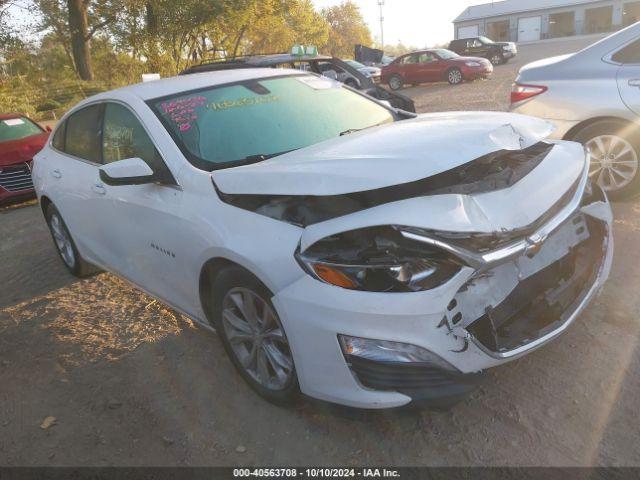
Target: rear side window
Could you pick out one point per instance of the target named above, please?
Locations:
(82, 137)
(58, 137)
(409, 59)
(629, 54)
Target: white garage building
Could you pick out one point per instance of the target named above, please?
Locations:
(531, 20)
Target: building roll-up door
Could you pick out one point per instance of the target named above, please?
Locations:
(529, 29)
(468, 32)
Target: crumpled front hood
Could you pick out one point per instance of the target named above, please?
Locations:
(388, 155)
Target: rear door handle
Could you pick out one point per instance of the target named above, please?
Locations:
(99, 189)
(634, 82)
(56, 173)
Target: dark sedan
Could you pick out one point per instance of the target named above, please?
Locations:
(434, 66)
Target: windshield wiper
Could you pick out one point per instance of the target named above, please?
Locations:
(259, 157)
(351, 130)
(354, 130)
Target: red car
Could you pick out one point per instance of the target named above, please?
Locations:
(20, 139)
(434, 66)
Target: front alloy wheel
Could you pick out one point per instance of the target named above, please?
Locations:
(613, 162)
(454, 76)
(257, 339)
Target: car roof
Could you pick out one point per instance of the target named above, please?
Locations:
(185, 83)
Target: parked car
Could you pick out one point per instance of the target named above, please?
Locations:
(357, 253)
(496, 52)
(319, 64)
(371, 71)
(20, 139)
(593, 97)
(434, 66)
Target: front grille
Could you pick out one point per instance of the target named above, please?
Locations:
(16, 178)
(542, 302)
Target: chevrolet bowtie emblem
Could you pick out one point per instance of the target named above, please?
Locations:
(534, 245)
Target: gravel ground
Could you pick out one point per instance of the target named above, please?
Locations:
(95, 373)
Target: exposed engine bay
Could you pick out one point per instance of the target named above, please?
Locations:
(495, 171)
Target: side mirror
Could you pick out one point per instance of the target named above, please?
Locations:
(130, 171)
(332, 74)
(48, 128)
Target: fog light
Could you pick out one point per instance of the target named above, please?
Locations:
(387, 351)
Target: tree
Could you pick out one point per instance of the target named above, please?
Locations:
(74, 23)
(347, 29)
(294, 23)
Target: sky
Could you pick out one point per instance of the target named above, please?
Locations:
(416, 23)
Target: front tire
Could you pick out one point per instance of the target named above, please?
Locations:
(253, 336)
(454, 76)
(396, 82)
(614, 157)
(65, 245)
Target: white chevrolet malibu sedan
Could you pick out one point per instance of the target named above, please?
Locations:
(341, 248)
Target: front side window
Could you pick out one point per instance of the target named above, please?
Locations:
(82, 137)
(17, 129)
(224, 126)
(124, 137)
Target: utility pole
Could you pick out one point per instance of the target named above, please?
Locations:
(381, 4)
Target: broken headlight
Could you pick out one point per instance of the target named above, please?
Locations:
(378, 259)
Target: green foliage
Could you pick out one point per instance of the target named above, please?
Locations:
(347, 29)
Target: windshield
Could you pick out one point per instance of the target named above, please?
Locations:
(446, 54)
(242, 123)
(486, 40)
(17, 128)
(355, 64)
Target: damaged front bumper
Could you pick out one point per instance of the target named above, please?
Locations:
(508, 303)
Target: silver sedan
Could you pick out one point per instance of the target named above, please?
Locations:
(592, 97)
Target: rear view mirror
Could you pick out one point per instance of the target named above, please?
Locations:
(131, 171)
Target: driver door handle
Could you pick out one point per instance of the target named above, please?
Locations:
(99, 189)
(634, 82)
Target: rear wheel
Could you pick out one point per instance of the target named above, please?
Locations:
(614, 154)
(454, 76)
(253, 336)
(396, 82)
(65, 245)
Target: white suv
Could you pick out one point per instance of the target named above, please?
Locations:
(356, 253)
